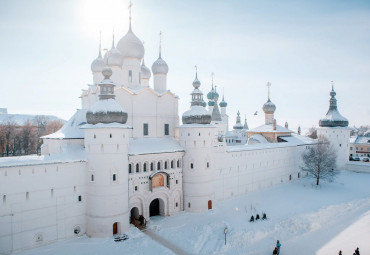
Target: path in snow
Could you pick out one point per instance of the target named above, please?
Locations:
(165, 243)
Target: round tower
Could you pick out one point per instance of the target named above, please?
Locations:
(106, 142)
(198, 137)
(335, 128)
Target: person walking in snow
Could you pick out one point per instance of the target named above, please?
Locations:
(278, 244)
(275, 251)
(340, 252)
(264, 217)
(252, 219)
(257, 216)
(357, 252)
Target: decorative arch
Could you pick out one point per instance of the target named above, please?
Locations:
(167, 184)
(164, 199)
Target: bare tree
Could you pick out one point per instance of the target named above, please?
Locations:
(312, 133)
(40, 122)
(53, 126)
(320, 161)
(28, 138)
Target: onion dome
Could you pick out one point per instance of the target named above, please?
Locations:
(106, 110)
(211, 103)
(115, 57)
(160, 66)
(238, 124)
(269, 107)
(333, 118)
(98, 64)
(131, 46)
(145, 71)
(204, 104)
(197, 113)
(223, 103)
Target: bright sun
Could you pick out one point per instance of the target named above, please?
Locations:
(102, 15)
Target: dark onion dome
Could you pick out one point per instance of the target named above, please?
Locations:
(269, 107)
(238, 124)
(211, 103)
(212, 94)
(333, 118)
(106, 110)
(197, 113)
(223, 103)
(204, 104)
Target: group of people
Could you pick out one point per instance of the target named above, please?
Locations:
(276, 251)
(357, 252)
(264, 217)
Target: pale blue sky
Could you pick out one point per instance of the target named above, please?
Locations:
(299, 46)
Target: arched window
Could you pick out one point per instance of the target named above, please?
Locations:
(4, 199)
(172, 165)
(152, 166)
(137, 167)
(110, 135)
(191, 165)
(129, 76)
(92, 177)
(178, 163)
(114, 177)
(129, 168)
(165, 165)
(144, 167)
(159, 166)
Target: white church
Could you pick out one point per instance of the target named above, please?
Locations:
(125, 153)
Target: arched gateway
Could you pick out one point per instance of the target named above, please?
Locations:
(157, 207)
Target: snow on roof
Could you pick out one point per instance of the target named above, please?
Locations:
(292, 141)
(153, 145)
(270, 128)
(106, 125)
(197, 125)
(298, 139)
(70, 153)
(230, 134)
(196, 110)
(107, 105)
(361, 140)
(71, 129)
(255, 139)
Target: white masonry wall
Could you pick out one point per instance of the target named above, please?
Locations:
(240, 172)
(339, 139)
(39, 204)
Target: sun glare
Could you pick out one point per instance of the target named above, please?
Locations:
(102, 15)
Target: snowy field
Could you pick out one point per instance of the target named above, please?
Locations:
(306, 220)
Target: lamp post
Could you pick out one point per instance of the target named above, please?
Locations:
(225, 231)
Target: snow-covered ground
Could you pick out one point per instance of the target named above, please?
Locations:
(306, 220)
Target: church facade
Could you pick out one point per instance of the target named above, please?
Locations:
(125, 154)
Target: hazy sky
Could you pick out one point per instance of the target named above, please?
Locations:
(299, 46)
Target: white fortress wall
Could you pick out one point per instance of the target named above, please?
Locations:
(240, 170)
(40, 204)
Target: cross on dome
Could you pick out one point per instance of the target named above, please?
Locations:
(268, 89)
(129, 10)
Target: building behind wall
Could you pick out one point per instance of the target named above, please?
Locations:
(125, 154)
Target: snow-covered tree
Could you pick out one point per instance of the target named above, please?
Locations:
(312, 133)
(320, 161)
